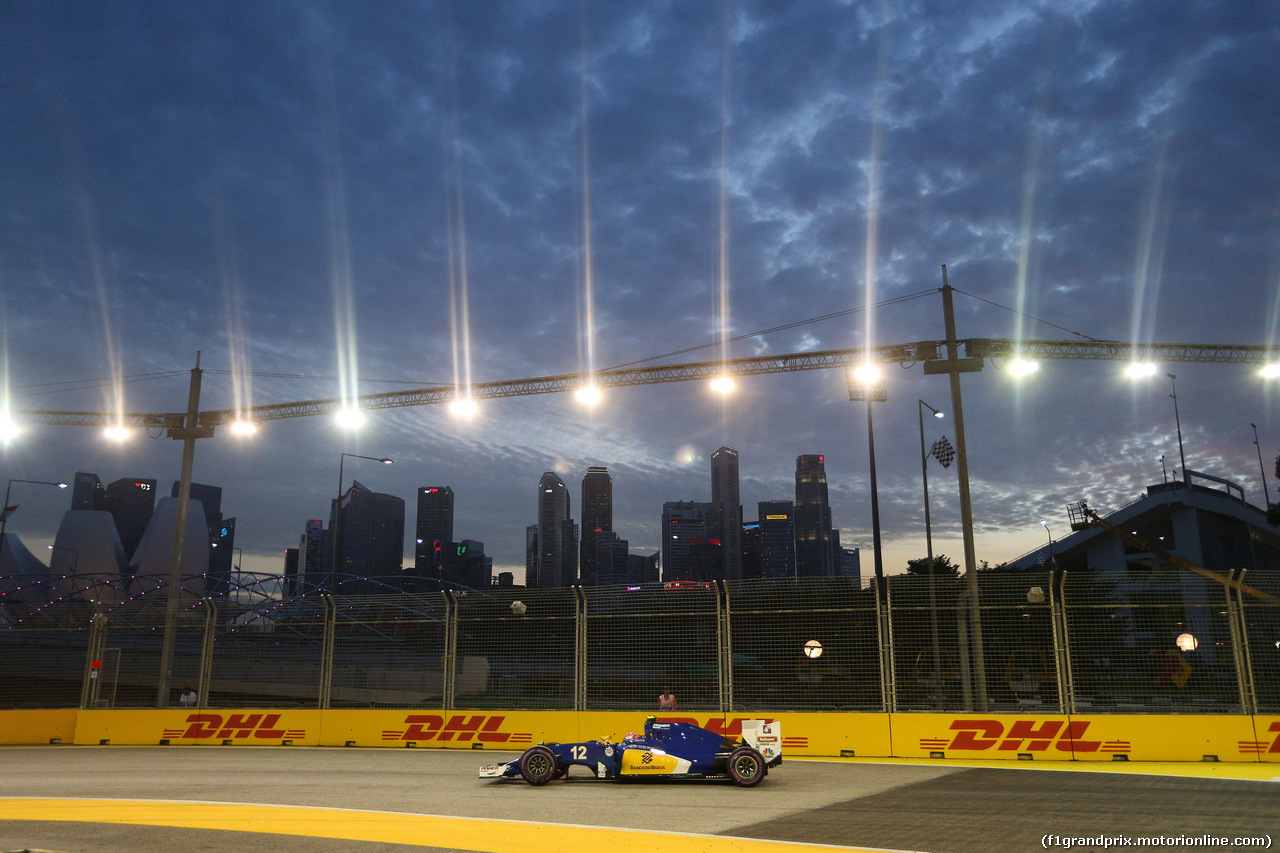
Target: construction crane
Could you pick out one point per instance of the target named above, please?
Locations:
(1083, 518)
(976, 352)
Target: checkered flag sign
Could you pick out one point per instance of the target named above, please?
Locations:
(943, 452)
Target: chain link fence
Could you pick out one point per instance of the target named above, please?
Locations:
(1154, 640)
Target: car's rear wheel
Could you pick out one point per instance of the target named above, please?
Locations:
(538, 765)
(746, 767)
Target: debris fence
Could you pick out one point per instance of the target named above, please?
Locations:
(1033, 642)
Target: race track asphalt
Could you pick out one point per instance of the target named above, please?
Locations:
(313, 800)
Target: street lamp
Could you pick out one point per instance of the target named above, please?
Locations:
(1044, 522)
(928, 541)
(865, 384)
(239, 561)
(8, 510)
(1266, 493)
(75, 556)
(336, 525)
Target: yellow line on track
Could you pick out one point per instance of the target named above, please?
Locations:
(485, 836)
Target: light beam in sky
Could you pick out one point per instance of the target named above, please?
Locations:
(1148, 264)
(456, 234)
(724, 384)
(871, 239)
(588, 275)
(238, 343)
(344, 303)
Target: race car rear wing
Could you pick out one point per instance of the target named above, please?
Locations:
(764, 737)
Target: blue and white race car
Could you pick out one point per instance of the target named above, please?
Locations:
(665, 749)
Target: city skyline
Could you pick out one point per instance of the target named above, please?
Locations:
(333, 200)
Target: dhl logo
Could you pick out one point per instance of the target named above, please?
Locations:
(240, 726)
(1022, 736)
(1258, 747)
(482, 728)
(732, 727)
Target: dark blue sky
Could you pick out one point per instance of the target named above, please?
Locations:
(295, 189)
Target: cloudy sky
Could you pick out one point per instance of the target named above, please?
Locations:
(337, 198)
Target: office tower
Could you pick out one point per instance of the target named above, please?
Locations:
(464, 564)
(597, 516)
(642, 568)
(691, 546)
(87, 492)
(557, 545)
(313, 553)
(434, 527)
(369, 540)
(131, 503)
(531, 552)
(751, 566)
(724, 491)
(569, 556)
(222, 536)
(610, 560)
(814, 555)
(851, 565)
(292, 559)
(777, 539)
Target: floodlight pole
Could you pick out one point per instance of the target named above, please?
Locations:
(188, 433)
(953, 366)
(1266, 493)
(1178, 422)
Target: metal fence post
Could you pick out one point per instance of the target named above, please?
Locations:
(93, 654)
(888, 655)
(450, 662)
(206, 652)
(580, 650)
(883, 629)
(1061, 649)
(326, 650)
(1240, 654)
(724, 639)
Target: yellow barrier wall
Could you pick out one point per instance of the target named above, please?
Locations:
(248, 727)
(973, 736)
(27, 727)
(1079, 738)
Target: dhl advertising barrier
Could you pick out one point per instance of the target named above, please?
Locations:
(1086, 738)
(947, 736)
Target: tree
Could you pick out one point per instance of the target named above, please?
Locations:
(942, 567)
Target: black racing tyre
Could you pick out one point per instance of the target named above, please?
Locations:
(538, 765)
(746, 767)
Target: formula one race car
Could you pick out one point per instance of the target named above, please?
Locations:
(665, 749)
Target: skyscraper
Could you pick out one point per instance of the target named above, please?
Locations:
(131, 502)
(434, 531)
(815, 556)
(691, 545)
(369, 540)
(611, 564)
(777, 539)
(724, 491)
(87, 491)
(313, 556)
(557, 556)
(597, 517)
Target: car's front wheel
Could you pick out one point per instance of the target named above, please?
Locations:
(538, 765)
(746, 767)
